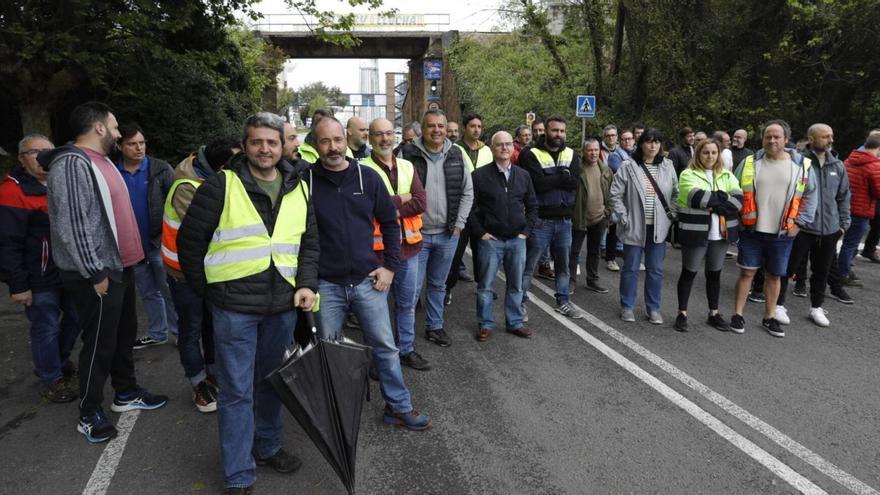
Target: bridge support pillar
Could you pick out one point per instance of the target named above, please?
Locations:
(417, 98)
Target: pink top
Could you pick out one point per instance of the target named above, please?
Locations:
(127, 235)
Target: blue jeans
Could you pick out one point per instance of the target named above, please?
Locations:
(555, 234)
(435, 259)
(405, 289)
(191, 314)
(54, 328)
(248, 348)
(512, 253)
(653, 252)
(149, 277)
(850, 245)
(370, 306)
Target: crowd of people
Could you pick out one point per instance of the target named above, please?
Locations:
(228, 246)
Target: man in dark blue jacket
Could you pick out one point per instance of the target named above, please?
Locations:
(26, 266)
(505, 209)
(347, 197)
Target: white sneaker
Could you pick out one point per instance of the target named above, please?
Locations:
(641, 267)
(781, 315)
(818, 317)
(613, 266)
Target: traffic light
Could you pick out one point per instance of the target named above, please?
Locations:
(433, 88)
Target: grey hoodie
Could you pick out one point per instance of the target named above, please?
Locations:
(435, 216)
(83, 237)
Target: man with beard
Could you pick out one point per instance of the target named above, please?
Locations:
(96, 244)
(522, 138)
(554, 169)
(452, 132)
(291, 143)
(738, 149)
(249, 246)
(409, 198)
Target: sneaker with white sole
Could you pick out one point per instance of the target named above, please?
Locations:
(569, 310)
(139, 399)
(773, 328)
(612, 266)
(781, 315)
(627, 315)
(818, 315)
(144, 342)
(204, 397)
(96, 427)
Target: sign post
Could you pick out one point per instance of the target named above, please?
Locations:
(530, 118)
(585, 109)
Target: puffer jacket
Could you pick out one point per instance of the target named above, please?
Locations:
(161, 176)
(863, 169)
(263, 293)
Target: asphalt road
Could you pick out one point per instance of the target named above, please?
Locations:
(585, 406)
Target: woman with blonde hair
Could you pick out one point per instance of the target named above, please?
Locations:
(709, 200)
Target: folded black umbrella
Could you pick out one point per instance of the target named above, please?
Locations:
(323, 386)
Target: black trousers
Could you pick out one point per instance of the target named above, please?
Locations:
(611, 243)
(593, 235)
(821, 249)
(109, 329)
(456, 266)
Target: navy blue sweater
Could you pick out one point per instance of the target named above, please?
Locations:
(345, 204)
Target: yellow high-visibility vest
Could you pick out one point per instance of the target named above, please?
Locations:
(241, 245)
(749, 210)
(484, 157)
(411, 227)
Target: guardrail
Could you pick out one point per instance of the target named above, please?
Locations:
(286, 23)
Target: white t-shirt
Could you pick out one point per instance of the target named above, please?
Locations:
(714, 225)
(727, 159)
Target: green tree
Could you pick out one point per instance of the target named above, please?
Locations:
(312, 96)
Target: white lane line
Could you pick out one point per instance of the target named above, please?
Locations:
(109, 461)
(827, 468)
(776, 466)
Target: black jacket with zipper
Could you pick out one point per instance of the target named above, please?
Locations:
(263, 293)
(504, 208)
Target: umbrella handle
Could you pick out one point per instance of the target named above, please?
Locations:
(310, 322)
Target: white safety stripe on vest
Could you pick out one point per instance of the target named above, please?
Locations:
(236, 256)
(239, 232)
(287, 271)
(171, 223)
(693, 211)
(169, 254)
(285, 248)
(693, 226)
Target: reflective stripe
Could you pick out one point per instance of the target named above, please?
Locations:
(232, 234)
(171, 223)
(169, 254)
(285, 248)
(236, 256)
(693, 211)
(288, 272)
(732, 223)
(693, 226)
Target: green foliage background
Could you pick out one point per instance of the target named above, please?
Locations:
(710, 64)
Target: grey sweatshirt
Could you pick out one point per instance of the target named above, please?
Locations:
(434, 217)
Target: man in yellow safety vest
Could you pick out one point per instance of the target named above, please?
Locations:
(249, 245)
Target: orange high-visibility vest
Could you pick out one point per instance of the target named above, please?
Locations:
(749, 210)
(410, 227)
(171, 224)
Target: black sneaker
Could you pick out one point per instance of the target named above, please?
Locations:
(352, 322)
(281, 462)
(757, 297)
(737, 324)
(595, 287)
(145, 342)
(415, 361)
(96, 427)
(842, 296)
(773, 327)
(139, 399)
(800, 288)
(438, 337)
(464, 276)
(718, 322)
(873, 257)
(851, 280)
(681, 323)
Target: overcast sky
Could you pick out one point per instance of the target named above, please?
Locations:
(464, 15)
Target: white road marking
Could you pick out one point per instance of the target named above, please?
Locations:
(109, 460)
(825, 467)
(776, 466)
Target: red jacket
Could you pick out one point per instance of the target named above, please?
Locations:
(863, 169)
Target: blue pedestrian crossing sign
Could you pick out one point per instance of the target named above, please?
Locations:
(586, 106)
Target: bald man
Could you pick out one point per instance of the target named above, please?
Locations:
(504, 212)
(357, 132)
(818, 239)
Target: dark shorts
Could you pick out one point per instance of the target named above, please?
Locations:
(757, 249)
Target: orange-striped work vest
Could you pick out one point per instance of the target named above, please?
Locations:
(749, 211)
(410, 227)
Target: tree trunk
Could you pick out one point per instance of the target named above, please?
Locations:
(618, 38)
(35, 118)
